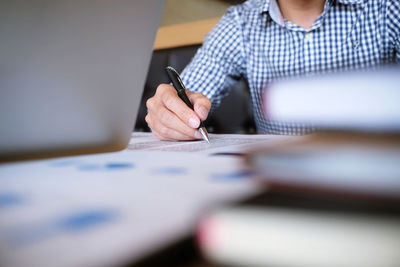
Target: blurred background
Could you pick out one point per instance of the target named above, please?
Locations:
(178, 11)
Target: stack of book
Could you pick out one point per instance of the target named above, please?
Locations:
(333, 197)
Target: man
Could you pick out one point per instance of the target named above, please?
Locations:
(267, 40)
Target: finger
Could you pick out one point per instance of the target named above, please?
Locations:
(172, 102)
(201, 103)
(168, 134)
(170, 120)
(161, 120)
(163, 132)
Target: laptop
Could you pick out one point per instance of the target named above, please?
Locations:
(72, 74)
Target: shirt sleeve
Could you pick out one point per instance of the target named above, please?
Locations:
(393, 15)
(219, 62)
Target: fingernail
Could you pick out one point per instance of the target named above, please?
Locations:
(197, 135)
(203, 112)
(194, 122)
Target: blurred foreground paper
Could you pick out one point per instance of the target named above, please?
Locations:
(109, 209)
(272, 236)
(343, 164)
(363, 100)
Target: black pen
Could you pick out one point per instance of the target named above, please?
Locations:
(180, 88)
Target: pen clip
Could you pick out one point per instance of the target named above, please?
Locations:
(180, 81)
(176, 75)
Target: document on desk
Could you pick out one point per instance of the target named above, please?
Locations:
(219, 143)
(113, 208)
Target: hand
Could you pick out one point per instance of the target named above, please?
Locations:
(171, 119)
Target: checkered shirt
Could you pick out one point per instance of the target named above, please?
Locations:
(254, 41)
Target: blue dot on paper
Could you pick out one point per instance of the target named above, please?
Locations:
(232, 175)
(118, 166)
(105, 166)
(85, 220)
(10, 199)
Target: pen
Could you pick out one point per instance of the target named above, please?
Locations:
(180, 88)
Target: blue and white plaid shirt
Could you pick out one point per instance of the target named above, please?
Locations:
(254, 41)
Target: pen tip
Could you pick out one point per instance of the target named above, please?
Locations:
(203, 132)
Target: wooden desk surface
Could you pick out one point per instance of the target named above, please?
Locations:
(184, 34)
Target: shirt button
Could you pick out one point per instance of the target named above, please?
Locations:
(308, 36)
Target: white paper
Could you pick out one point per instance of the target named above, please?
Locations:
(219, 143)
(112, 208)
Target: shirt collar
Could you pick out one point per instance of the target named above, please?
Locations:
(266, 5)
(272, 7)
(350, 2)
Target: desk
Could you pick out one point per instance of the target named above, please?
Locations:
(117, 208)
